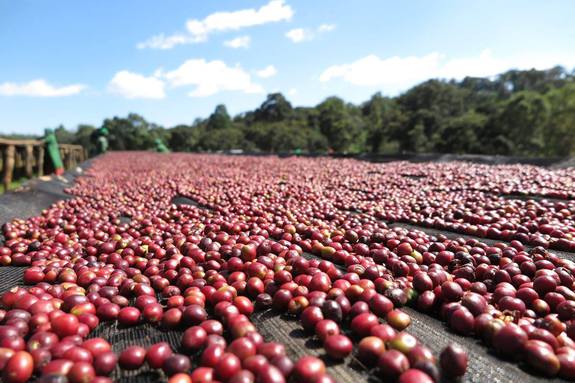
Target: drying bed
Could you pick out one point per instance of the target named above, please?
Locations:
(213, 268)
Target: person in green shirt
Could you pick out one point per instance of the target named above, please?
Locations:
(53, 151)
(102, 140)
(160, 147)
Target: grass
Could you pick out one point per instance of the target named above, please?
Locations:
(13, 184)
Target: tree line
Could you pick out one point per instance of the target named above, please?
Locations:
(522, 113)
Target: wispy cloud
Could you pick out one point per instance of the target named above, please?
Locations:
(198, 30)
(326, 28)
(162, 41)
(298, 35)
(39, 88)
(238, 42)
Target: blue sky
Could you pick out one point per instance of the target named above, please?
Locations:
(74, 62)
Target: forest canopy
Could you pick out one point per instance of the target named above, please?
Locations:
(523, 113)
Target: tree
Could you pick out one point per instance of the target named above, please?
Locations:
(559, 134)
(220, 119)
(427, 108)
(316, 142)
(274, 108)
(260, 135)
(341, 128)
(383, 118)
(63, 135)
(522, 120)
(184, 138)
(83, 136)
(523, 113)
(460, 134)
(222, 139)
(539, 81)
(282, 137)
(130, 133)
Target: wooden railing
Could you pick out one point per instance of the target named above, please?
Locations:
(28, 156)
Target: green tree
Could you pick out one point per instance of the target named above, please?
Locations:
(522, 121)
(460, 134)
(223, 139)
(540, 81)
(341, 128)
(83, 136)
(383, 118)
(559, 134)
(184, 138)
(220, 119)
(259, 134)
(130, 133)
(427, 108)
(529, 112)
(274, 108)
(63, 135)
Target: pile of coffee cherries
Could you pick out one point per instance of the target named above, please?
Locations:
(479, 200)
(303, 238)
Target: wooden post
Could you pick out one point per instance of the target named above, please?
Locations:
(40, 160)
(29, 155)
(8, 165)
(74, 156)
(69, 162)
(2, 159)
(63, 156)
(29, 161)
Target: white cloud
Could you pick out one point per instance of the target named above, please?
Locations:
(39, 88)
(326, 28)
(299, 35)
(211, 77)
(396, 73)
(292, 92)
(274, 11)
(238, 42)
(267, 72)
(198, 30)
(133, 85)
(162, 41)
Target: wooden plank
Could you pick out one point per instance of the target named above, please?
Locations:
(70, 146)
(4, 141)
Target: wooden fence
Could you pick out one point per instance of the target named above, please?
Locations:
(28, 157)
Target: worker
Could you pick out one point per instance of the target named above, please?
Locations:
(102, 140)
(160, 147)
(53, 151)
